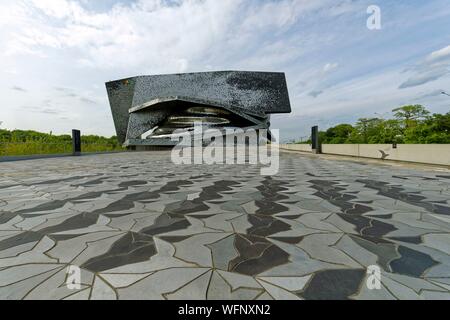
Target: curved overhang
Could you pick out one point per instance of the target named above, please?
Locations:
(159, 102)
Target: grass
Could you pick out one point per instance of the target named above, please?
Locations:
(42, 148)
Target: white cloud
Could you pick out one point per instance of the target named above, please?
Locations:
(149, 33)
(423, 77)
(443, 53)
(435, 66)
(330, 67)
(57, 8)
(316, 80)
(155, 34)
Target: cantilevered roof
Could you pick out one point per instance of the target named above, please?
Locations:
(254, 93)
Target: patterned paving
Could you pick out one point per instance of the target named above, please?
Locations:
(142, 228)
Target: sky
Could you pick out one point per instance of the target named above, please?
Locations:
(56, 55)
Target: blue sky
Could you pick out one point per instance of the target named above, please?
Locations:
(55, 55)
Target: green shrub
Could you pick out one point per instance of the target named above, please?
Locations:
(20, 142)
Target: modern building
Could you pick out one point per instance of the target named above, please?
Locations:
(150, 111)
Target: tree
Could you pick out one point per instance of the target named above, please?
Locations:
(412, 124)
(441, 122)
(338, 134)
(391, 131)
(435, 129)
(367, 127)
(411, 114)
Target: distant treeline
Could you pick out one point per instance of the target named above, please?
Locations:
(28, 142)
(412, 124)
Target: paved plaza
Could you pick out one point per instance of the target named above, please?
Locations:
(140, 227)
